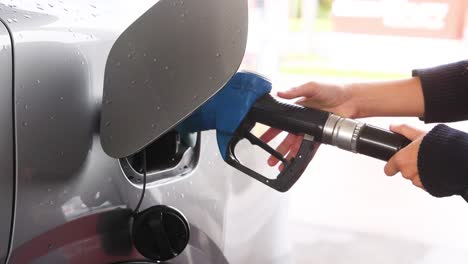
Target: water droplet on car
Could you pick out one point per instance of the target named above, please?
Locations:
(51, 5)
(97, 195)
(38, 81)
(15, 20)
(168, 194)
(131, 55)
(50, 246)
(9, 20)
(218, 54)
(182, 195)
(52, 117)
(118, 64)
(108, 101)
(27, 16)
(153, 126)
(108, 123)
(61, 98)
(93, 6)
(155, 60)
(133, 81)
(26, 107)
(25, 124)
(166, 68)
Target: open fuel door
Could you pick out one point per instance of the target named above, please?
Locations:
(167, 64)
(7, 141)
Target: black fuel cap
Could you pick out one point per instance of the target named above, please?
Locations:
(160, 233)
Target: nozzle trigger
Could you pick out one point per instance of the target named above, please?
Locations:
(258, 142)
(289, 175)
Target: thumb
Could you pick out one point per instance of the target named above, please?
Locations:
(408, 131)
(306, 90)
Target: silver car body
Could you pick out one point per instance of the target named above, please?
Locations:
(64, 199)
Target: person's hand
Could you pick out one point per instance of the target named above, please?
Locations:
(328, 97)
(335, 98)
(406, 160)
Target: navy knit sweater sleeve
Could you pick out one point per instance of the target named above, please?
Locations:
(443, 154)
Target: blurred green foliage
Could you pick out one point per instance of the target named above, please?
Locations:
(324, 7)
(326, 3)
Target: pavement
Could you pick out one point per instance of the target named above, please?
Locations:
(314, 244)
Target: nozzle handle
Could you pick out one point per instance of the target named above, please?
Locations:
(291, 118)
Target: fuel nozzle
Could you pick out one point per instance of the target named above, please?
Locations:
(362, 138)
(246, 101)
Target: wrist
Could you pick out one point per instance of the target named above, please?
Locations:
(388, 98)
(357, 100)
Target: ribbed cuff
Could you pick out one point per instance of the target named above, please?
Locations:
(443, 162)
(445, 90)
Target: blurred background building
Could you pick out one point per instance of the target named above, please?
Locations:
(344, 209)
